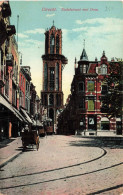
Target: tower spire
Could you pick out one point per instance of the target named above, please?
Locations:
(84, 44)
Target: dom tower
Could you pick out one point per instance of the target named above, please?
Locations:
(53, 64)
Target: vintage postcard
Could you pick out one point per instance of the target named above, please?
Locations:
(61, 90)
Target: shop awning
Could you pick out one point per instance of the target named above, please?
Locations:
(104, 119)
(26, 116)
(118, 119)
(20, 115)
(37, 123)
(16, 113)
(6, 104)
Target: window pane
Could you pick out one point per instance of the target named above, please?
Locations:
(91, 86)
(104, 89)
(90, 105)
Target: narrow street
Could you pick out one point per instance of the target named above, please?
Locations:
(64, 165)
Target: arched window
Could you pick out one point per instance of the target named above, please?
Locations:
(51, 114)
(57, 44)
(46, 43)
(45, 76)
(84, 68)
(57, 76)
(45, 99)
(52, 44)
(103, 69)
(52, 78)
(58, 100)
(51, 99)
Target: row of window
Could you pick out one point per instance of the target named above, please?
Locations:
(54, 78)
(92, 123)
(49, 100)
(91, 104)
(52, 44)
(101, 70)
(91, 87)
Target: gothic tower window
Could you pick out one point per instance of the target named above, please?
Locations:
(58, 99)
(51, 114)
(51, 99)
(57, 44)
(52, 44)
(45, 99)
(57, 76)
(52, 73)
(45, 76)
(46, 43)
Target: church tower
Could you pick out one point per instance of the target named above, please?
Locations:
(53, 64)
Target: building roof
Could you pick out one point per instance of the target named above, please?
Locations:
(84, 56)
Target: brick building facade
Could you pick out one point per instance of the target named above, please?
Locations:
(84, 112)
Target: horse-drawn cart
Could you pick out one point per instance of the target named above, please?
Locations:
(30, 138)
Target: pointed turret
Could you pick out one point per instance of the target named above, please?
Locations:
(103, 58)
(84, 56)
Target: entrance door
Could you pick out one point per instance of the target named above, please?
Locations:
(119, 128)
(92, 123)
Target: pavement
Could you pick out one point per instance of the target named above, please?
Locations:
(10, 149)
(66, 165)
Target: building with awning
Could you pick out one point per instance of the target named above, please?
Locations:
(9, 117)
(26, 116)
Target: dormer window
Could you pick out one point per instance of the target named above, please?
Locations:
(103, 69)
(84, 68)
(80, 68)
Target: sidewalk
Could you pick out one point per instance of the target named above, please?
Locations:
(114, 140)
(9, 149)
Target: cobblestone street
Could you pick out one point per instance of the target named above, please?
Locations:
(65, 165)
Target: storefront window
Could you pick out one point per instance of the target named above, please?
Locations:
(105, 125)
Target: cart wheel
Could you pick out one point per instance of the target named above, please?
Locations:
(22, 143)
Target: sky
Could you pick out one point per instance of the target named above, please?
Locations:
(99, 23)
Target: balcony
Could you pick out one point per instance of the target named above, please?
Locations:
(2, 83)
(11, 30)
(6, 10)
(9, 60)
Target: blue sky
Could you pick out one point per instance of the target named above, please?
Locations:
(101, 29)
